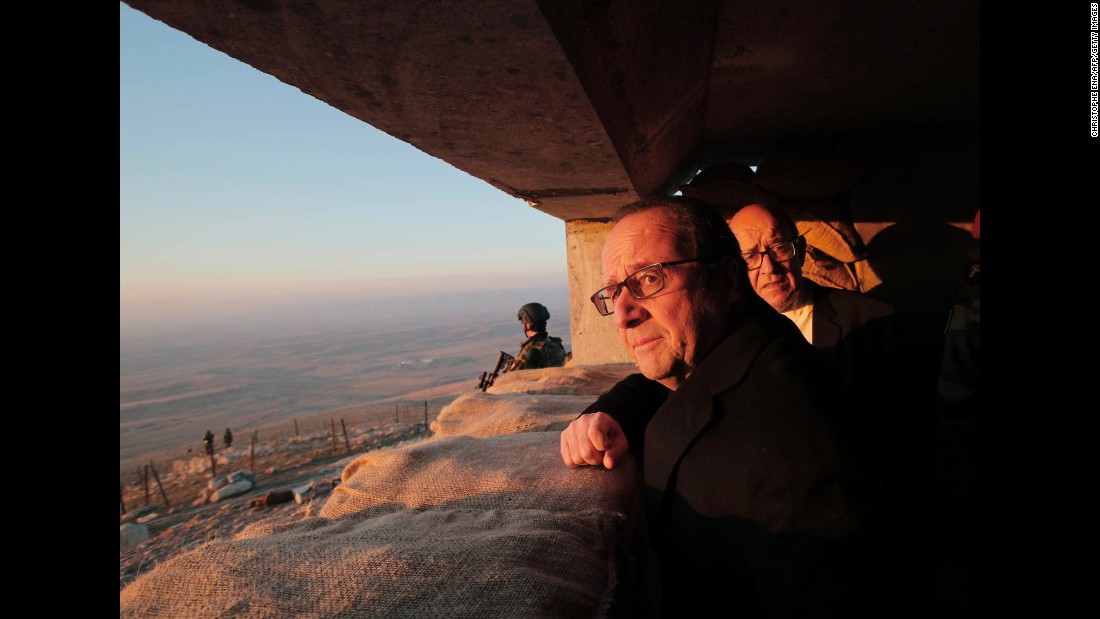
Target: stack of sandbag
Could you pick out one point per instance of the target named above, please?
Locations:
(463, 525)
(542, 400)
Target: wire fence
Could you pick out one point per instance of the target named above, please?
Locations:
(177, 476)
(360, 416)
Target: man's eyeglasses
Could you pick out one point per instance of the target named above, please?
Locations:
(780, 252)
(645, 282)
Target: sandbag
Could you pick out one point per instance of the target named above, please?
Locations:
(411, 564)
(499, 472)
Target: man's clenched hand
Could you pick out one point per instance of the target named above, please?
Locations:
(593, 439)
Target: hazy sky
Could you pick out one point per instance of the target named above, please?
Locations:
(237, 190)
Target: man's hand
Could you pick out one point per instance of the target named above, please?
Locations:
(593, 439)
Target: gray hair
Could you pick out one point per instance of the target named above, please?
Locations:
(701, 231)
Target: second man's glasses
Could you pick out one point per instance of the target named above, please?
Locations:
(780, 252)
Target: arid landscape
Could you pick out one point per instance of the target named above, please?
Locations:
(170, 503)
(171, 391)
(300, 405)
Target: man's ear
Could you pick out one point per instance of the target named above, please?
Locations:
(800, 249)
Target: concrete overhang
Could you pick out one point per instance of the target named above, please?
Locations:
(579, 107)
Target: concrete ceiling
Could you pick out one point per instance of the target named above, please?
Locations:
(579, 106)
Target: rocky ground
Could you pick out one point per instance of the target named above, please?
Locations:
(191, 519)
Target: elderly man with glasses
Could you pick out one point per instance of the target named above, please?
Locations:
(747, 485)
(885, 400)
(774, 253)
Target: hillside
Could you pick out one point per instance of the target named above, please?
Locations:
(397, 512)
(189, 520)
(171, 393)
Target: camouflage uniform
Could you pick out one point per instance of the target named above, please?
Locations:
(539, 351)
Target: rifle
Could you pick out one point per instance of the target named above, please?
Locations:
(503, 361)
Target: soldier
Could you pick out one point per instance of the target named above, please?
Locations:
(208, 440)
(539, 350)
(227, 438)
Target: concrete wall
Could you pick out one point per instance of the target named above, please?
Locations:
(595, 338)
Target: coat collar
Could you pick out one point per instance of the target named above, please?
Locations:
(826, 331)
(690, 409)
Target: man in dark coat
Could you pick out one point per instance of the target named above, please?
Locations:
(869, 364)
(747, 482)
(861, 337)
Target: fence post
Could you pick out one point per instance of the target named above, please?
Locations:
(163, 495)
(295, 426)
(252, 454)
(396, 407)
(145, 482)
(333, 434)
(425, 414)
(213, 466)
(345, 428)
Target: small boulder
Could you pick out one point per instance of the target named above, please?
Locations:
(273, 498)
(236, 476)
(303, 494)
(130, 535)
(231, 490)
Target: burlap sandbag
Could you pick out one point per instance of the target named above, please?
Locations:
(832, 244)
(590, 380)
(500, 472)
(409, 564)
(451, 526)
(490, 414)
(545, 399)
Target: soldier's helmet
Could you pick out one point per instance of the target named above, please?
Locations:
(533, 312)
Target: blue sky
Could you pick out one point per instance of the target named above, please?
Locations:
(237, 189)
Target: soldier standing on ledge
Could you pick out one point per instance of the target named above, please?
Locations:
(227, 438)
(539, 350)
(208, 441)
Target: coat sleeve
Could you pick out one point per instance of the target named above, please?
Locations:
(632, 402)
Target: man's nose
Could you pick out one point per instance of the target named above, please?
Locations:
(628, 311)
(771, 265)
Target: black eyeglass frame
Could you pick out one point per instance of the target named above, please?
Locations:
(797, 244)
(617, 288)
